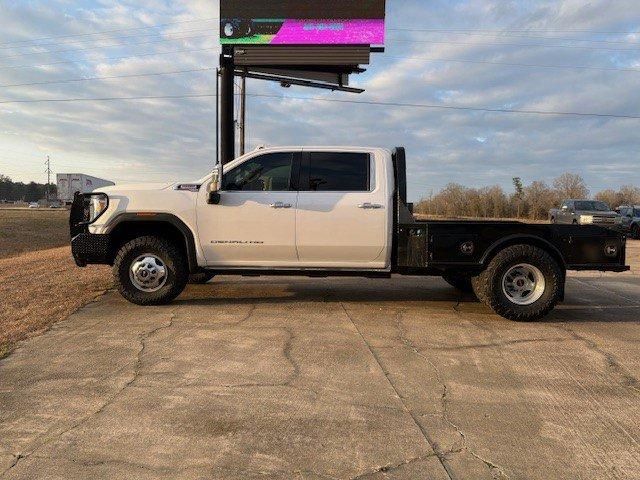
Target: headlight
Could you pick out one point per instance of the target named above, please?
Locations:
(586, 219)
(97, 206)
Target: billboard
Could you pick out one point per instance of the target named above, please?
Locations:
(302, 22)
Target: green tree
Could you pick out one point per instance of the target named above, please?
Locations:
(519, 195)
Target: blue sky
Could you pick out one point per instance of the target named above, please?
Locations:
(451, 53)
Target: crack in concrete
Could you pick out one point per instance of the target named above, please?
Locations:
(392, 467)
(433, 445)
(248, 315)
(493, 468)
(142, 338)
(286, 351)
(16, 459)
(628, 379)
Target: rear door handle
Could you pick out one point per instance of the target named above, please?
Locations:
(280, 205)
(370, 206)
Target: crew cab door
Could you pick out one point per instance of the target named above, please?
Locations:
(253, 226)
(343, 217)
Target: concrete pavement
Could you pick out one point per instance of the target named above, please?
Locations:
(329, 378)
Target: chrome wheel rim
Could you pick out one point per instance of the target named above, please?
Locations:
(148, 273)
(523, 284)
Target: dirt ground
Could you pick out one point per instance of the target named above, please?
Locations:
(33, 230)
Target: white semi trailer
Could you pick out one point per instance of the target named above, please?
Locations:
(71, 183)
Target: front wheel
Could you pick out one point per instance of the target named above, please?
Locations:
(150, 271)
(522, 283)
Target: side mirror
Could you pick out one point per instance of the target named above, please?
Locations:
(214, 198)
(214, 189)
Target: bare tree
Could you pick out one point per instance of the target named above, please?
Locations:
(539, 199)
(610, 197)
(532, 201)
(627, 195)
(570, 185)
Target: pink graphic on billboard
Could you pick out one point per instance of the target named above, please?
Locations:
(330, 32)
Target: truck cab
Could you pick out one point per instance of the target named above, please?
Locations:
(300, 208)
(323, 211)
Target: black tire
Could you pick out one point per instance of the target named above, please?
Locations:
(489, 284)
(459, 282)
(173, 259)
(201, 278)
(476, 285)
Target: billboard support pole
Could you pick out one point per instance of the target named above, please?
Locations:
(243, 113)
(227, 125)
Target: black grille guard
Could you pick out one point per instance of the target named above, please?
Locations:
(80, 211)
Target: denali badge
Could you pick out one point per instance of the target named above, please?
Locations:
(236, 242)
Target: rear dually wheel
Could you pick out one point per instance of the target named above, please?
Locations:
(522, 283)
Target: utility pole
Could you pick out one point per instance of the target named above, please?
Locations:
(48, 172)
(243, 113)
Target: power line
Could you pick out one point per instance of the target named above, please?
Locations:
(110, 31)
(195, 70)
(451, 107)
(75, 42)
(509, 35)
(72, 80)
(139, 55)
(104, 46)
(511, 64)
(445, 60)
(330, 100)
(504, 44)
(523, 30)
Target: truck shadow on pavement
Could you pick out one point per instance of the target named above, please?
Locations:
(434, 296)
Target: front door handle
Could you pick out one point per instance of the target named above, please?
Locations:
(370, 206)
(280, 205)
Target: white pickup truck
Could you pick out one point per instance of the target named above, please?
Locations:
(319, 211)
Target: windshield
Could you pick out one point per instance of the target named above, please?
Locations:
(592, 207)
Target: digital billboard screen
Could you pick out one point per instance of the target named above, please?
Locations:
(302, 22)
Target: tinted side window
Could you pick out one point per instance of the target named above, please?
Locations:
(338, 172)
(268, 173)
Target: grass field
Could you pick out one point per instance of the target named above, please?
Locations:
(39, 283)
(23, 231)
